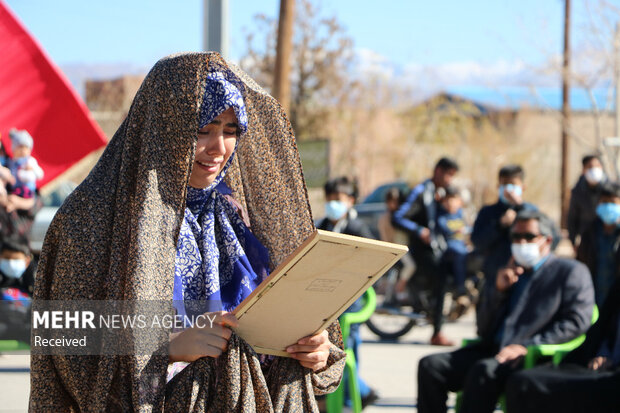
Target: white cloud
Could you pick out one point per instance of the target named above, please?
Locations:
(470, 73)
(433, 77)
(371, 64)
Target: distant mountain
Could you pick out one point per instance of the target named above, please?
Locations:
(79, 73)
(501, 97)
(541, 97)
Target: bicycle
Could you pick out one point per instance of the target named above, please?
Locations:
(393, 317)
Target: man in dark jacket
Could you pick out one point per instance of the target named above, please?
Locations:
(340, 196)
(491, 232)
(587, 380)
(17, 270)
(600, 243)
(584, 198)
(418, 217)
(17, 266)
(538, 299)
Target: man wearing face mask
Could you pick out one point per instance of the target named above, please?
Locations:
(340, 196)
(17, 269)
(537, 299)
(584, 198)
(491, 232)
(599, 248)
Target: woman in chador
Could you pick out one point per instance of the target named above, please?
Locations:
(203, 156)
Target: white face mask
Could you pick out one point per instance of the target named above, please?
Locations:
(334, 210)
(12, 268)
(594, 175)
(526, 255)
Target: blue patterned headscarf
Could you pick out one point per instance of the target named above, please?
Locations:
(219, 261)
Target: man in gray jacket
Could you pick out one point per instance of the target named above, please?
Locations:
(538, 299)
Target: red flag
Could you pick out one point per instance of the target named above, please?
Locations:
(35, 96)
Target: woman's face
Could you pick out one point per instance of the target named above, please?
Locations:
(216, 142)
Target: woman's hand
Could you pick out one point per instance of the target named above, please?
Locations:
(207, 338)
(312, 351)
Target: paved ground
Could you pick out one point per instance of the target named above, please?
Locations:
(391, 368)
(388, 367)
(14, 382)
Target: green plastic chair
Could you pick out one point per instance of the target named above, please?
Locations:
(335, 401)
(534, 354)
(555, 351)
(13, 345)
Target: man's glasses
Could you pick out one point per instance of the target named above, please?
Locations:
(528, 236)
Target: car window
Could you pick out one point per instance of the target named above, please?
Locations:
(378, 195)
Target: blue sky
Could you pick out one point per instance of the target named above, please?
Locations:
(449, 43)
(140, 31)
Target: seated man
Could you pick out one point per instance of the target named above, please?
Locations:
(588, 378)
(538, 299)
(600, 243)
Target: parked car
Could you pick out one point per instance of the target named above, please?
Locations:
(43, 218)
(373, 206)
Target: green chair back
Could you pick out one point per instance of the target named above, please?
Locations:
(335, 400)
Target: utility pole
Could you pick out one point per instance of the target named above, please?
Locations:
(215, 26)
(281, 81)
(565, 114)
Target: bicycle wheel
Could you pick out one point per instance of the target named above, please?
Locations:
(390, 326)
(390, 320)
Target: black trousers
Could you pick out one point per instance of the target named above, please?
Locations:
(436, 272)
(472, 369)
(566, 388)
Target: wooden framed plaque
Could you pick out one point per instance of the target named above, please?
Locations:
(312, 288)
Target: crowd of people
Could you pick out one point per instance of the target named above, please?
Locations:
(19, 202)
(530, 296)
